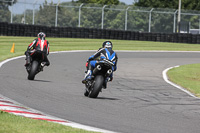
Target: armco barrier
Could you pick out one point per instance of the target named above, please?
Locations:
(8, 29)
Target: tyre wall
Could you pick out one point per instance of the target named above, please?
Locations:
(8, 29)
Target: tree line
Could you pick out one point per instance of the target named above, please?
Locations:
(114, 14)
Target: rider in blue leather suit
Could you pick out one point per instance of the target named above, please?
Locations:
(105, 52)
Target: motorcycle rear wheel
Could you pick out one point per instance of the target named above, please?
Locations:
(97, 86)
(33, 71)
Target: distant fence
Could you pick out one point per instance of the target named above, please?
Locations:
(93, 15)
(9, 29)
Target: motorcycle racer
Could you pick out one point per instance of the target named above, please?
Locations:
(40, 44)
(105, 52)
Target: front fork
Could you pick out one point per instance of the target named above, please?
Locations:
(89, 85)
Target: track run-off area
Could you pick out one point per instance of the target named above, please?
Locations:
(137, 100)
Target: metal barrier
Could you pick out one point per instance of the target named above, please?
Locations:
(120, 17)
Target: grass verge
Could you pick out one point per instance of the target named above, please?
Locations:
(16, 124)
(62, 44)
(187, 76)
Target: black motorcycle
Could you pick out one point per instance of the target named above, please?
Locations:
(101, 72)
(36, 64)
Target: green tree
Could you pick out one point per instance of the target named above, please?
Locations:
(103, 2)
(7, 3)
(114, 18)
(137, 21)
(185, 4)
(163, 21)
(92, 17)
(67, 17)
(4, 10)
(46, 14)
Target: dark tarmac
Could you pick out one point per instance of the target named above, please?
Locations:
(138, 100)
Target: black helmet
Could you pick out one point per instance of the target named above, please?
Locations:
(107, 44)
(41, 35)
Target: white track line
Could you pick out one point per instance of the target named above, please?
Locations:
(165, 77)
(5, 61)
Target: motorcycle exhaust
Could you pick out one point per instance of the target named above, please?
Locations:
(109, 71)
(98, 68)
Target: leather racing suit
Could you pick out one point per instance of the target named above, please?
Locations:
(102, 53)
(38, 44)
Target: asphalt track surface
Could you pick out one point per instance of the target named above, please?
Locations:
(137, 100)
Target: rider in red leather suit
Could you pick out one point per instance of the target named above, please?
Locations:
(38, 44)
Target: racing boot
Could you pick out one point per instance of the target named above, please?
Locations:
(88, 76)
(42, 66)
(28, 61)
(105, 84)
(106, 81)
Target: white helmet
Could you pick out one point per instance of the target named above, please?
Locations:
(107, 44)
(41, 35)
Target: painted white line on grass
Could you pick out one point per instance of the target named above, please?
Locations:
(165, 77)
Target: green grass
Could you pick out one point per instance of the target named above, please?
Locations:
(16, 124)
(61, 44)
(187, 76)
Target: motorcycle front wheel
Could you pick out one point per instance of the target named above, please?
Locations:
(33, 71)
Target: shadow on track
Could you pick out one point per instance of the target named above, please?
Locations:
(40, 80)
(106, 98)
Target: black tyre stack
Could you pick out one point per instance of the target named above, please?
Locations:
(14, 29)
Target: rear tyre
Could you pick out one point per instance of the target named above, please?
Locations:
(97, 86)
(33, 71)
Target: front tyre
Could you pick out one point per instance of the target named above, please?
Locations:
(97, 86)
(33, 71)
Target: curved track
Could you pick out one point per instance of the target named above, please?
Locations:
(138, 100)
